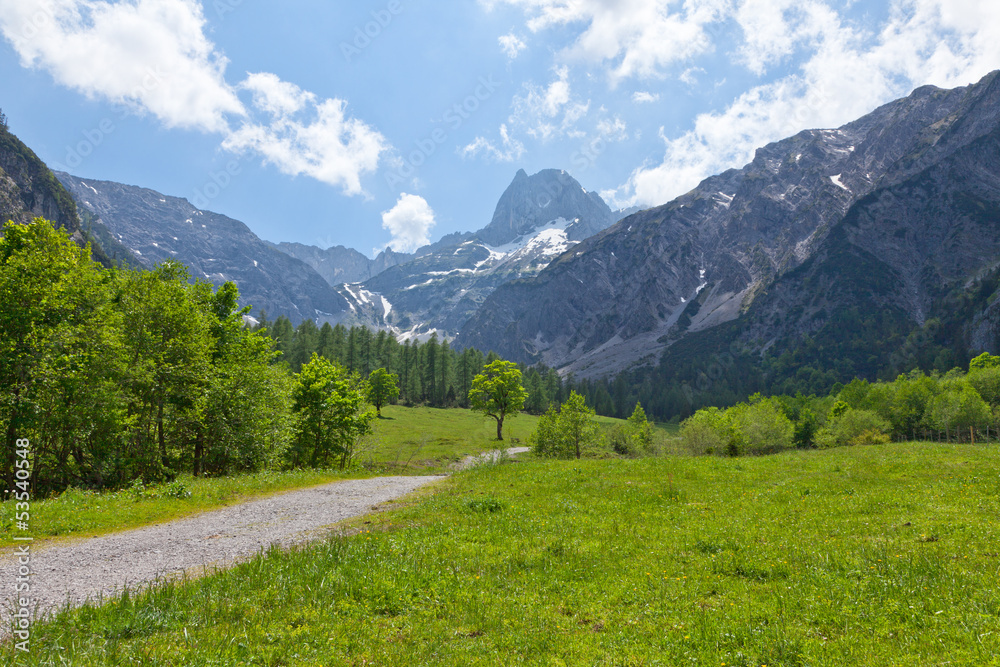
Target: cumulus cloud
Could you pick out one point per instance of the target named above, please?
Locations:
(154, 56)
(644, 97)
(306, 137)
(409, 222)
(845, 73)
(512, 45)
(150, 54)
(635, 38)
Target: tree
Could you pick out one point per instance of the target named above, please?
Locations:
(497, 392)
(564, 434)
(984, 360)
(332, 414)
(383, 387)
(804, 434)
(3, 120)
(640, 430)
(169, 346)
(59, 355)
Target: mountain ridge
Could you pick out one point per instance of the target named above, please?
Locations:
(724, 243)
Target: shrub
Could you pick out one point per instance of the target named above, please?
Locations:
(704, 432)
(760, 427)
(854, 427)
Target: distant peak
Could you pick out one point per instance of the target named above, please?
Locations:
(521, 173)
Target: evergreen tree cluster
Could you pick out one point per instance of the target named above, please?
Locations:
(430, 373)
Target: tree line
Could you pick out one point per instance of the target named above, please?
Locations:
(119, 374)
(956, 406)
(431, 373)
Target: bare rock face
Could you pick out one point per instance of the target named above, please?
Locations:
(886, 191)
(215, 248)
(29, 190)
(537, 219)
(339, 264)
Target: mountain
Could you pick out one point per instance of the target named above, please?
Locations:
(339, 265)
(216, 248)
(537, 219)
(28, 189)
(870, 224)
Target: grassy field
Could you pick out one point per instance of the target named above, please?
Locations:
(882, 555)
(433, 438)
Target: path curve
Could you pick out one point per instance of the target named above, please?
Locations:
(492, 456)
(101, 567)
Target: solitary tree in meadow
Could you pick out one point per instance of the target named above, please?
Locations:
(497, 392)
(383, 387)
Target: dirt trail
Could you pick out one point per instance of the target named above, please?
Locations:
(102, 567)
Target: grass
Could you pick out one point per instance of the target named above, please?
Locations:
(881, 555)
(433, 438)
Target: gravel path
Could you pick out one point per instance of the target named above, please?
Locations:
(491, 456)
(102, 566)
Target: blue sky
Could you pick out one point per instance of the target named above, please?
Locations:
(394, 122)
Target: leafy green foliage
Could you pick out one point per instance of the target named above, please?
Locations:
(567, 432)
(383, 387)
(497, 392)
(126, 375)
(854, 427)
(332, 414)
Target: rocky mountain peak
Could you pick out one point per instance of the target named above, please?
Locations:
(530, 202)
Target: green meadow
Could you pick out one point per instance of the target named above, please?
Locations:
(868, 555)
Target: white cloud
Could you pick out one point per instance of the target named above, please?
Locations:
(276, 97)
(636, 38)
(150, 54)
(644, 97)
(511, 148)
(154, 56)
(409, 222)
(845, 73)
(326, 144)
(512, 45)
(612, 129)
(548, 112)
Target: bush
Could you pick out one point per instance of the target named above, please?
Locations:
(760, 427)
(854, 427)
(567, 433)
(704, 432)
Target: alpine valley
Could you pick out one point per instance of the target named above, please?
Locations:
(864, 250)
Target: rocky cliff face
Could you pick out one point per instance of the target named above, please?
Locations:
(339, 265)
(537, 219)
(29, 190)
(707, 258)
(215, 248)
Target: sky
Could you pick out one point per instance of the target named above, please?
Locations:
(390, 123)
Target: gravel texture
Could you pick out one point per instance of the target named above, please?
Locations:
(102, 567)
